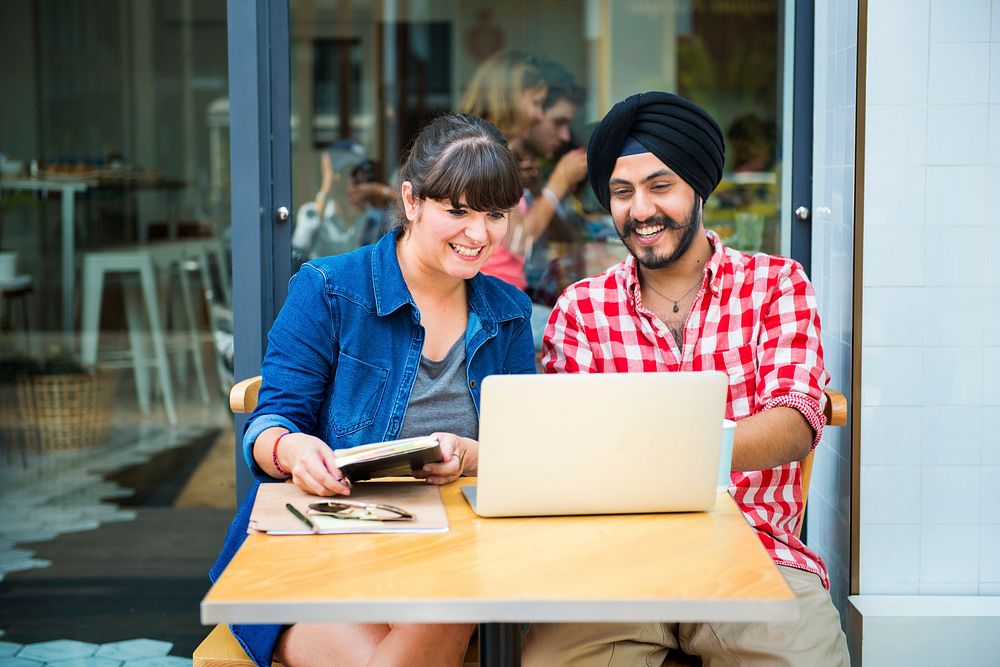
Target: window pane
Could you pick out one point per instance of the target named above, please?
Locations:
(366, 76)
(114, 357)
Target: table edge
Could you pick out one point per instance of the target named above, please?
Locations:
(501, 611)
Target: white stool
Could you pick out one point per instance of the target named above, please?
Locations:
(171, 255)
(137, 298)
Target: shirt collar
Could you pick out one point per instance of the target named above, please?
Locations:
(391, 292)
(714, 268)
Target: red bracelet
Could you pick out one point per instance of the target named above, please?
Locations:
(274, 455)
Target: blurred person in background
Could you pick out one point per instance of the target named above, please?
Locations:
(561, 166)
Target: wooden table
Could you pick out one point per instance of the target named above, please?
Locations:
(704, 566)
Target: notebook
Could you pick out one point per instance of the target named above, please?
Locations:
(611, 443)
(270, 514)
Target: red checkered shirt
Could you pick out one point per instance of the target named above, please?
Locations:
(755, 319)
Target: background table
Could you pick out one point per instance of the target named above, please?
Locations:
(68, 188)
(702, 566)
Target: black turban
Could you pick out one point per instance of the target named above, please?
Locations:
(678, 132)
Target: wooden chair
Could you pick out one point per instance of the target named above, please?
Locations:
(220, 648)
(835, 411)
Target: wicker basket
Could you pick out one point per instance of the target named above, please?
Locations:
(71, 411)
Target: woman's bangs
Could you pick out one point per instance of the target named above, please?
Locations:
(482, 175)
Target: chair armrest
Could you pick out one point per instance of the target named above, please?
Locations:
(835, 409)
(243, 395)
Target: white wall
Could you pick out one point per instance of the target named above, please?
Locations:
(930, 347)
(930, 454)
(832, 274)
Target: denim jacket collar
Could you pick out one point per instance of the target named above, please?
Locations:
(391, 292)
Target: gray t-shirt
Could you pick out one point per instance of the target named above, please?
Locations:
(440, 399)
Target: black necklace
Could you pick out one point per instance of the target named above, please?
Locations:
(676, 302)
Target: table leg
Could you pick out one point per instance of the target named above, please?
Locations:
(68, 262)
(500, 644)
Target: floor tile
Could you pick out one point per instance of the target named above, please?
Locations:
(162, 661)
(89, 661)
(134, 648)
(18, 662)
(8, 648)
(57, 649)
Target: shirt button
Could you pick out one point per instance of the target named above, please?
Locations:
(472, 384)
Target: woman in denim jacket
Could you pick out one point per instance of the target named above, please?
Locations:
(391, 340)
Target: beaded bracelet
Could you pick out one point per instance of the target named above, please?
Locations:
(274, 455)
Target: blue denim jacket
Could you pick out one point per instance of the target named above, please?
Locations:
(341, 360)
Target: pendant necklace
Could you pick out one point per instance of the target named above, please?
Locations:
(676, 302)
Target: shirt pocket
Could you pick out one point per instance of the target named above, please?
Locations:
(357, 393)
(740, 364)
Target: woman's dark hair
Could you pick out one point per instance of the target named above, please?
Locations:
(463, 159)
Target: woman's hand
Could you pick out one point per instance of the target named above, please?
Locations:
(461, 456)
(312, 464)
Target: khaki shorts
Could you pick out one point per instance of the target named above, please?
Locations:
(814, 639)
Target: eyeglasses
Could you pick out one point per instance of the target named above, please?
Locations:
(352, 509)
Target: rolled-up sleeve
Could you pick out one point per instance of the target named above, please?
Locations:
(298, 365)
(790, 353)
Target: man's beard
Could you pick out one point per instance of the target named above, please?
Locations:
(646, 257)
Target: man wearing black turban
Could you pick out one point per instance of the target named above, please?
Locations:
(684, 302)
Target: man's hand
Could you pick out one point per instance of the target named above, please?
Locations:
(570, 170)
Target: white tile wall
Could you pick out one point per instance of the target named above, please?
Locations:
(959, 74)
(993, 192)
(891, 493)
(952, 376)
(990, 546)
(952, 435)
(949, 496)
(930, 431)
(993, 152)
(952, 317)
(961, 21)
(896, 134)
(956, 133)
(835, 74)
(956, 196)
(892, 376)
(991, 441)
(891, 553)
(902, 203)
(898, 21)
(954, 256)
(949, 554)
(892, 435)
(990, 508)
(892, 258)
(995, 70)
(891, 317)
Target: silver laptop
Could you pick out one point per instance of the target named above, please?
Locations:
(611, 443)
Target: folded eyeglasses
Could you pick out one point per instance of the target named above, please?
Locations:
(352, 509)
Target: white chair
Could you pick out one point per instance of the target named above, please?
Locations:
(141, 307)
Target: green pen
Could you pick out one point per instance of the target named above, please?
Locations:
(299, 515)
